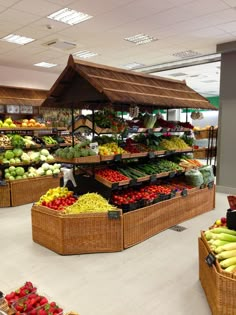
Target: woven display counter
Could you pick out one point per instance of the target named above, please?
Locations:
(30, 190)
(219, 287)
(143, 223)
(5, 196)
(76, 233)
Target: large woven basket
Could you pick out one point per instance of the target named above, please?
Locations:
(5, 196)
(76, 233)
(143, 223)
(220, 288)
(30, 190)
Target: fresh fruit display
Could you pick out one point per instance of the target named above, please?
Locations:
(174, 143)
(31, 123)
(223, 242)
(7, 123)
(15, 173)
(111, 175)
(49, 140)
(24, 290)
(60, 203)
(4, 141)
(17, 155)
(89, 203)
(111, 149)
(134, 147)
(68, 140)
(147, 193)
(53, 194)
(79, 150)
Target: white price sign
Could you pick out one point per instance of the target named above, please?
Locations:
(94, 147)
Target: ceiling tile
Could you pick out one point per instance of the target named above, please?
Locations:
(16, 16)
(61, 2)
(228, 27)
(40, 8)
(231, 3)
(203, 7)
(8, 3)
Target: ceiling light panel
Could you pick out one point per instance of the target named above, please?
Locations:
(133, 65)
(17, 39)
(69, 16)
(45, 64)
(186, 54)
(85, 54)
(140, 39)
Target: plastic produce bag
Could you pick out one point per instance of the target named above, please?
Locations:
(68, 175)
(207, 173)
(194, 178)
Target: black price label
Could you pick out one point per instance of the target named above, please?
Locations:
(133, 182)
(3, 183)
(210, 259)
(153, 178)
(134, 129)
(118, 157)
(173, 194)
(54, 130)
(184, 192)
(164, 130)
(55, 175)
(151, 155)
(2, 149)
(210, 185)
(114, 186)
(150, 131)
(172, 174)
(113, 214)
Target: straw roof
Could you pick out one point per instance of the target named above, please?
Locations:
(21, 96)
(89, 85)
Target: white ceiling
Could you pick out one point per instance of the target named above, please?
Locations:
(179, 25)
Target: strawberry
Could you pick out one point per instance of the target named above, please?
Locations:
(19, 307)
(43, 301)
(53, 304)
(42, 312)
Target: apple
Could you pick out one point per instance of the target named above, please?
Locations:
(223, 220)
(218, 222)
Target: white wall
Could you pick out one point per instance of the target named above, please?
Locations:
(18, 77)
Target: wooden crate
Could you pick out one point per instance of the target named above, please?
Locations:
(5, 196)
(220, 289)
(143, 223)
(31, 189)
(76, 233)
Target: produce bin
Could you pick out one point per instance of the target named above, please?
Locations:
(5, 196)
(30, 190)
(76, 233)
(219, 287)
(143, 223)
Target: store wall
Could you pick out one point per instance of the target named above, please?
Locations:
(18, 77)
(226, 169)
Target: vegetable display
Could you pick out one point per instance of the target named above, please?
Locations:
(79, 150)
(174, 143)
(111, 149)
(111, 175)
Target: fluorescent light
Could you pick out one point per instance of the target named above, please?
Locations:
(17, 39)
(133, 65)
(45, 64)
(85, 54)
(140, 39)
(69, 16)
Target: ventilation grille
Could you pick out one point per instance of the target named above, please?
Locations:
(60, 44)
(178, 228)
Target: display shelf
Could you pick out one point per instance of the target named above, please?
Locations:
(33, 129)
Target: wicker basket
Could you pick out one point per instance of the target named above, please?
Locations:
(201, 134)
(30, 190)
(139, 154)
(219, 288)
(5, 196)
(81, 160)
(143, 223)
(78, 233)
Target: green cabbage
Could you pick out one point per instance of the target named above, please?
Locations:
(20, 171)
(9, 155)
(17, 152)
(44, 152)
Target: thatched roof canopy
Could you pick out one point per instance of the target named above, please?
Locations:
(89, 85)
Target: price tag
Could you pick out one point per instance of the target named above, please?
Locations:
(3, 183)
(2, 149)
(164, 130)
(150, 131)
(172, 174)
(173, 194)
(210, 259)
(184, 192)
(202, 186)
(133, 182)
(134, 129)
(94, 146)
(153, 178)
(210, 185)
(118, 157)
(114, 186)
(54, 130)
(151, 155)
(113, 214)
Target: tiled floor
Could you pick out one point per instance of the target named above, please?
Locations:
(156, 277)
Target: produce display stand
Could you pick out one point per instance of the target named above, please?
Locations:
(86, 85)
(25, 191)
(219, 286)
(5, 196)
(77, 233)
